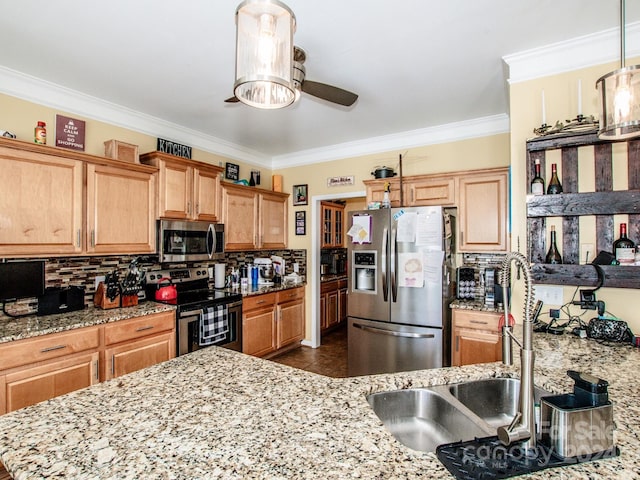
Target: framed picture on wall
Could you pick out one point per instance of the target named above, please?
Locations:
(301, 223)
(300, 194)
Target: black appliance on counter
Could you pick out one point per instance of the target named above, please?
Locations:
(465, 283)
(61, 300)
(194, 300)
(333, 261)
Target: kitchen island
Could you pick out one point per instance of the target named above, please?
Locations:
(216, 413)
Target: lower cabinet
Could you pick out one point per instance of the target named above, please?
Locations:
(138, 343)
(476, 337)
(39, 368)
(272, 321)
(333, 303)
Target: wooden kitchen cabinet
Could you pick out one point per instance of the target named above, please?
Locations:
(332, 225)
(120, 211)
(259, 324)
(482, 211)
(290, 317)
(476, 337)
(187, 189)
(41, 203)
(36, 369)
(254, 218)
(375, 190)
(430, 190)
(49, 211)
(138, 343)
(333, 303)
(273, 322)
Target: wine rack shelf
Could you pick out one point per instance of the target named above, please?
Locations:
(604, 203)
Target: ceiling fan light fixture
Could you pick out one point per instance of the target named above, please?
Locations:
(264, 54)
(619, 94)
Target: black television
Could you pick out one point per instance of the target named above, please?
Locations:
(21, 280)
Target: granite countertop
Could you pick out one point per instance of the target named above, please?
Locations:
(216, 413)
(474, 305)
(33, 325)
(262, 289)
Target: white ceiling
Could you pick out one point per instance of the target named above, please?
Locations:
(415, 64)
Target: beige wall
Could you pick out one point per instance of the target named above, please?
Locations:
(561, 99)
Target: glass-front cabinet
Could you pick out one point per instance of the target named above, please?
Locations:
(332, 215)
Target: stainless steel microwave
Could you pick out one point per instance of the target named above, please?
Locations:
(185, 241)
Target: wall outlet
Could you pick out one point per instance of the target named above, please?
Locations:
(549, 295)
(96, 282)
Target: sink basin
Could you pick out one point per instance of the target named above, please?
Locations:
(494, 400)
(423, 418)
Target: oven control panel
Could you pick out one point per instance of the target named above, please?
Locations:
(177, 275)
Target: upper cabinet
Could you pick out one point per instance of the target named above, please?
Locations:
(482, 211)
(187, 189)
(254, 218)
(332, 227)
(44, 198)
(481, 197)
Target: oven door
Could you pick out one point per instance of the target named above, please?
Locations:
(188, 329)
(180, 241)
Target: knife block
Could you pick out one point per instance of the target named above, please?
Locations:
(100, 298)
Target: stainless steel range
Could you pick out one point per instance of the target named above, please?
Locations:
(198, 308)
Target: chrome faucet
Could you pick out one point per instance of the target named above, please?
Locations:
(522, 428)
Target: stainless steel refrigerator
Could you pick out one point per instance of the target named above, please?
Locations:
(400, 271)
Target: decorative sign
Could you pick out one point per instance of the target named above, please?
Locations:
(231, 171)
(173, 148)
(340, 181)
(70, 133)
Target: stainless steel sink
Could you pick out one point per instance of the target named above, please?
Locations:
(423, 418)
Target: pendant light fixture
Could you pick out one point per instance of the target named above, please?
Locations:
(264, 54)
(619, 93)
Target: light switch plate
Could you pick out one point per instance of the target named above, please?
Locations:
(549, 295)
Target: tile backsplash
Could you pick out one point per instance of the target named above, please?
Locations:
(63, 272)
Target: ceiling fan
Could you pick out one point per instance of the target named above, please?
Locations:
(317, 89)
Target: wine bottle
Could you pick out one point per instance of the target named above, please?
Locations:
(537, 184)
(554, 183)
(623, 248)
(553, 255)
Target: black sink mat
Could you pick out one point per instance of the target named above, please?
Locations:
(487, 459)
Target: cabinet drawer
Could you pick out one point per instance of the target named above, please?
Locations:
(476, 320)
(138, 327)
(32, 350)
(290, 295)
(258, 301)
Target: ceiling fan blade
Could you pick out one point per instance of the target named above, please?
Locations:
(233, 99)
(329, 93)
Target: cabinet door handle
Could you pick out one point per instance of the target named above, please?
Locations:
(479, 322)
(142, 329)
(78, 239)
(51, 349)
(457, 343)
(197, 209)
(113, 365)
(97, 370)
(188, 208)
(260, 302)
(93, 238)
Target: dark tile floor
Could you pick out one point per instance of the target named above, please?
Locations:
(329, 359)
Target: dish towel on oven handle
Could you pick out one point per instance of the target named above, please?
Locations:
(214, 324)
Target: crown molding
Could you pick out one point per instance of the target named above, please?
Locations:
(451, 132)
(574, 54)
(55, 96)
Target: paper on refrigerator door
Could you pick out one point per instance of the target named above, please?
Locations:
(410, 270)
(429, 231)
(360, 231)
(407, 227)
(432, 264)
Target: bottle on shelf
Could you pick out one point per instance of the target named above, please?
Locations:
(537, 184)
(40, 133)
(386, 201)
(553, 255)
(554, 184)
(623, 248)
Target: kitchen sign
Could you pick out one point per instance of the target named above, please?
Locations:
(70, 133)
(340, 181)
(173, 148)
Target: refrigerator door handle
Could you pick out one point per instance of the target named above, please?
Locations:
(394, 265)
(383, 264)
(393, 333)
